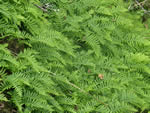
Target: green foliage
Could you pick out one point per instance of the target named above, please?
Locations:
(142, 8)
(78, 56)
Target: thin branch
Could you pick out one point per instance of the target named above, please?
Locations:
(144, 2)
(81, 90)
(73, 85)
(44, 10)
(139, 4)
(129, 6)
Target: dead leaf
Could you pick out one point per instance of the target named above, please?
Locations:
(101, 76)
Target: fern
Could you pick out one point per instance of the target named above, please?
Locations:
(78, 56)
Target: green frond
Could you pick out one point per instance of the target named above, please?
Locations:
(78, 56)
(3, 98)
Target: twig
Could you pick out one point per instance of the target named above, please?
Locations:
(139, 4)
(44, 10)
(144, 2)
(73, 85)
(129, 6)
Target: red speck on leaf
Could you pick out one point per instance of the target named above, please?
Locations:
(89, 70)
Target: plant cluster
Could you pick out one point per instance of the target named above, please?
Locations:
(73, 56)
(142, 8)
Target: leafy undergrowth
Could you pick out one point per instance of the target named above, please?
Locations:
(68, 56)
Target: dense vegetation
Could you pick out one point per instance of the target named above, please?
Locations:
(74, 56)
